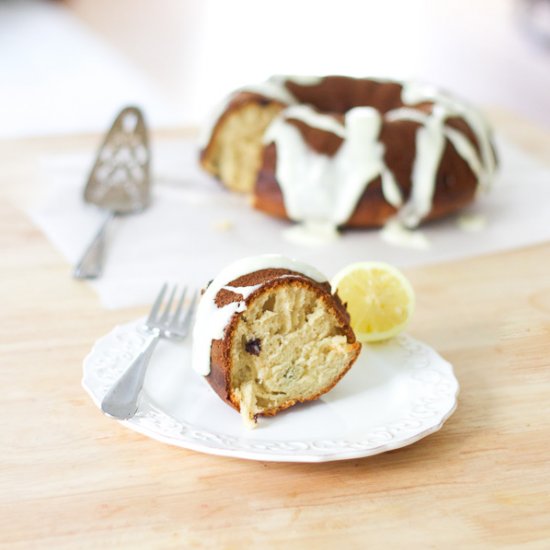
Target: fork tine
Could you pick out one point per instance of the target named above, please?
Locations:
(188, 316)
(154, 310)
(176, 316)
(164, 317)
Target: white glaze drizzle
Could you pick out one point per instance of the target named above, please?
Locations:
(390, 189)
(466, 150)
(430, 143)
(460, 142)
(416, 92)
(211, 320)
(312, 118)
(319, 188)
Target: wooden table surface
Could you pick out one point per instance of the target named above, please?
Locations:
(70, 477)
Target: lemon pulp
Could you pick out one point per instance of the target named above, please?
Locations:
(378, 297)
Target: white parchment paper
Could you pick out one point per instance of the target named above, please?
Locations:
(194, 227)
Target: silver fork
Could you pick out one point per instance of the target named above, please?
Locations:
(121, 401)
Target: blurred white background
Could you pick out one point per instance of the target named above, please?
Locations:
(69, 66)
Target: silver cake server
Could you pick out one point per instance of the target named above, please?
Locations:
(119, 182)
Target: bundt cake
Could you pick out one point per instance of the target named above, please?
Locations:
(349, 151)
(269, 334)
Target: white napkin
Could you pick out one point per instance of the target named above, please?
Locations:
(194, 227)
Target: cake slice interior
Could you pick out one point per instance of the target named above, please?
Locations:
(289, 346)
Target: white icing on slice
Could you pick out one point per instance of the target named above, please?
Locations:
(211, 320)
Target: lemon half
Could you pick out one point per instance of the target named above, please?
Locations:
(379, 299)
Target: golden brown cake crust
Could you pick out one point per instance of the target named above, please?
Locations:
(220, 353)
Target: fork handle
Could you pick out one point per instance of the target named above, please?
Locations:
(90, 265)
(121, 400)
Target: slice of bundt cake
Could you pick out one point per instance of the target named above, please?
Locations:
(269, 334)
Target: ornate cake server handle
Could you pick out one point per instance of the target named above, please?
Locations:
(90, 266)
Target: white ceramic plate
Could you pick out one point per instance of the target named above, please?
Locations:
(395, 394)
